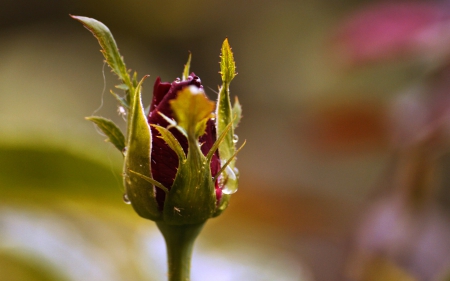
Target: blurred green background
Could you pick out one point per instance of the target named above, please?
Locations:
(317, 139)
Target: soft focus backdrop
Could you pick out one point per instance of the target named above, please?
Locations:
(332, 176)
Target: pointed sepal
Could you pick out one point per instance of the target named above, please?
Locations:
(141, 192)
(192, 198)
(187, 66)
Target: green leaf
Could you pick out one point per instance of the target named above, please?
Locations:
(122, 100)
(225, 114)
(111, 130)
(140, 192)
(122, 87)
(109, 46)
(172, 142)
(186, 68)
(237, 112)
(227, 64)
(192, 109)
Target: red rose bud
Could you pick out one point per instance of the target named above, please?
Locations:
(180, 157)
(166, 160)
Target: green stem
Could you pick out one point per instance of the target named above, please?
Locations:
(179, 243)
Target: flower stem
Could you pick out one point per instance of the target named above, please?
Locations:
(179, 243)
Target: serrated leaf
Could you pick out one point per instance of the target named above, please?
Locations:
(237, 112)
(171, 141)
(140, 192)
(192, 109)
(111, 130)
(109, 46)
(227, 64)
(186, 68)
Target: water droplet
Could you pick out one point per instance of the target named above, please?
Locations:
(125, 198)
(235, 138)
(177, 80)
(124, 151)
(230, 186)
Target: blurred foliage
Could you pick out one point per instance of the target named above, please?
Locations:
(34, 171)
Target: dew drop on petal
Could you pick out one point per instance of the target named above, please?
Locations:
(125, 198)
(235, 138)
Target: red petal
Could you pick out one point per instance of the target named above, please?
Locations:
(159, 91)
(164, 159)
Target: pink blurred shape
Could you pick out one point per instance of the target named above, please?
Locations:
(395, 30)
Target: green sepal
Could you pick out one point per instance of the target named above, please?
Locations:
(111, 130)
(186, 68)
(237, 112)
(192, 197)
(172, 142)
(224, 201)
(192, 109)
(109, 46)
(150, 180)
(141, 192)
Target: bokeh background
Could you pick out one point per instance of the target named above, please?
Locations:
(345, 171)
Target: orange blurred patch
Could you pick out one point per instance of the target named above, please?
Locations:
(347, 127)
